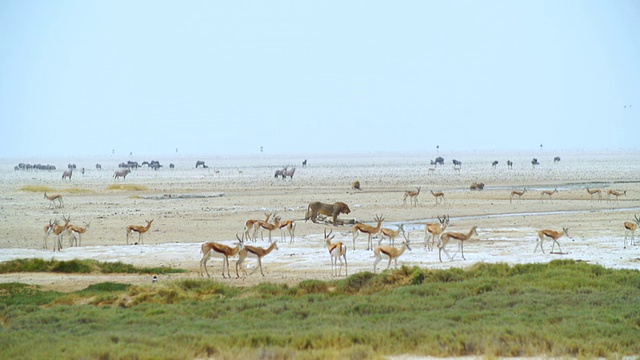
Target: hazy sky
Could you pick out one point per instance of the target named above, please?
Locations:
(227, 77)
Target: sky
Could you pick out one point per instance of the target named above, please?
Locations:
(86, 77)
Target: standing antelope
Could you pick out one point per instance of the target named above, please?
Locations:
(254, 252)
(367, 229)
(59, 231)
(412, 195)
(438, 195)
(392, 234)
(444, 240)
(47, 231)
(548, 193)
(616, 193)
(121, 174)
(139, 229)
(79, 230)
(595, 192)
(224, 250)
(250, 225)
(518, 194)
(267, 226)
(435, 229)
(290, 226)
(630, 227)
(338, 252)
(390, 253)
(553, 235)
(52, 200)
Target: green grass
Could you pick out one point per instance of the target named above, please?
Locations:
(78, 266)
(560, 309)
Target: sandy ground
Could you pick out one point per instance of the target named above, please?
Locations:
(190, 206)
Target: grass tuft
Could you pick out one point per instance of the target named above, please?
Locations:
(37, 188)
(127, 187)
(78, 266)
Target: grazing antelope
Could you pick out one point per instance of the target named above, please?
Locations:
(52, 200)
(121, 174)
(67, 174)
(548, 193)
(616, 193)
(438, 195)
(224, 250)
(79, 230)
(595, 192)
(254, 252)
(139, 229)
(435, 229)
(392, 234)
(553, 235)
(390, 253)
(518, 194)
(367, 229)
(630, 227)
(444, 240)
(250, 225)
(338, 252)
(290, 226)
(412, 195)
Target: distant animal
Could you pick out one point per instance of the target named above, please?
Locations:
(548, 193)
(67, 174)
(518, 194)
(439, 160)
(200, 163)
(356, 185)
(509, 164)
(172, 166)
(289, 173)
(595, 192)
(335, 209)
(280, 172)
(630, 227)
(121, 174)
(52, 200)
(476, 186)
(494, 164)
(534, 162)
(616, 193)
(139, 229)
(304, 163)
(98, 167)
(412, 195)
(438, 195)
(556, 159)
(457, 162)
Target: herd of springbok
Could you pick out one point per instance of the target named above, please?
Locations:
(435, 234)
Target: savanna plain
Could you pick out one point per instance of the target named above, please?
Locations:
(494, 297)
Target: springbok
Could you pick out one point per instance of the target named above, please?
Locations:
(630, 227)
(435, 229)
(52, 200)
(338, 252)
(139, 229)
(412, 195)
(389, 252)
(367, 229)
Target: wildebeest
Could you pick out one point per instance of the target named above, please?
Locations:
(509, 164)
(121, 173)
(494, 164)
(556, 159)
(200, 163)
(98, 167)
(535, 162)
(172, 166)
(457, 162)
(304, 163)
(440, 160)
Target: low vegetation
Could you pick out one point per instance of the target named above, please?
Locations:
(78, 266)
(559, 309)
(37, 188)
(127, 187)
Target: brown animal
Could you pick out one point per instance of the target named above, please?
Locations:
(338, 252)
(52, 200)
(553, 235)
(518, 194)
(139, 229)
(254, 252)
(290, 226)
(390, 253)
(79, 230)
(367, 229)
(435, 229)
(392, 234)
(356, 185)
(476, 186)
(595, 192)
(630, 227)
(616, 193)
(444, 240)
(412, 195)
(251, 224)
(333, 210)
(59, 231)
(548, 193)
(438, 195)
(225, 250)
